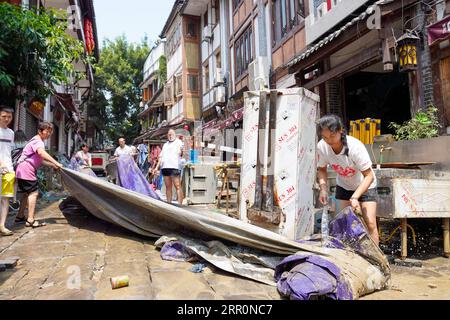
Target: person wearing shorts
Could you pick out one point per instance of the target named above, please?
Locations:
(169, 161)
(356, 182)
(33, 156)
(6, 167)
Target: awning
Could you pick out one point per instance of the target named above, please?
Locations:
(163, 130)
(325, 41)
(439, 31)
(66, 101)
(143, 136)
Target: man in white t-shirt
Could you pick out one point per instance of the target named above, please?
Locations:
(6, 167)
(169, 161)
(123, 149)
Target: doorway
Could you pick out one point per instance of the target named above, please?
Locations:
(378, 95)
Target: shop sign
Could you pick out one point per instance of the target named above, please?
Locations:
(439, 31)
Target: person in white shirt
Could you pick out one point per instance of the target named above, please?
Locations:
(123, 149)
(6, 167)
(169, 161)
(83, 156)
(356, 182)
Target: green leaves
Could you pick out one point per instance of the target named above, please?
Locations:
(425, 124)
(117, 76)
(35, 51)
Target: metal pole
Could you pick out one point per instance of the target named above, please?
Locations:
(404, 223)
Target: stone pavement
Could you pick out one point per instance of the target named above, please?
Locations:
(73, 257)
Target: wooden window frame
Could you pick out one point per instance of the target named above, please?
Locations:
(217, 12)
(196, 77)
(206, 72)
(196, 23)
(292, 24)
(243, 52)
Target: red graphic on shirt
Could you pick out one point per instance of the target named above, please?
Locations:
(347, 172)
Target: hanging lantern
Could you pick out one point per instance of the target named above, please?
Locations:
(36, 107)
(407, 52)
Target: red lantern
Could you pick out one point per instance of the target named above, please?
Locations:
(186, 127)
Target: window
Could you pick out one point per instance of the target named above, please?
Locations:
(155, 86)
(244, 52)
(218, 60)
(292, 13)
(283, 17)
(236, 4)
(178, 85)
(206, 73)
(173, 40)
(192, 82)
(217, 11)
(192, 26)
(286, 15)
(205, 19)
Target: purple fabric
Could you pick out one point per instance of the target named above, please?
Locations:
(176, 251)
(75, 165)
(131, 178)
(304, 277)
(347, 231)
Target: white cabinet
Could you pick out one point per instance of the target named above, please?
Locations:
(292, 166)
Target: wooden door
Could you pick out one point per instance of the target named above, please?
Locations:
(445, 83)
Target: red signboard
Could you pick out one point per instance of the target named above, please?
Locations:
(439, 31)
(97, 161)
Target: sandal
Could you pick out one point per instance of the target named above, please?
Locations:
(5, 232)
(34, 224)
(20, 219)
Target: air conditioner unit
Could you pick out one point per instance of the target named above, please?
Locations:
(219, 96)
(207, 33)
(218, 77)
(259, 74)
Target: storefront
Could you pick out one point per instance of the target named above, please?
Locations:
(356, 71)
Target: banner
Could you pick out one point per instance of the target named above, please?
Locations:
(439, 31)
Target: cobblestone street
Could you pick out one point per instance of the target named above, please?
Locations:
(52, 257)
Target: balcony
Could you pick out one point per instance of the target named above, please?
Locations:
(196, 7)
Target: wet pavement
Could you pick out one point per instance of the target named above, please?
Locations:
(74, 257)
